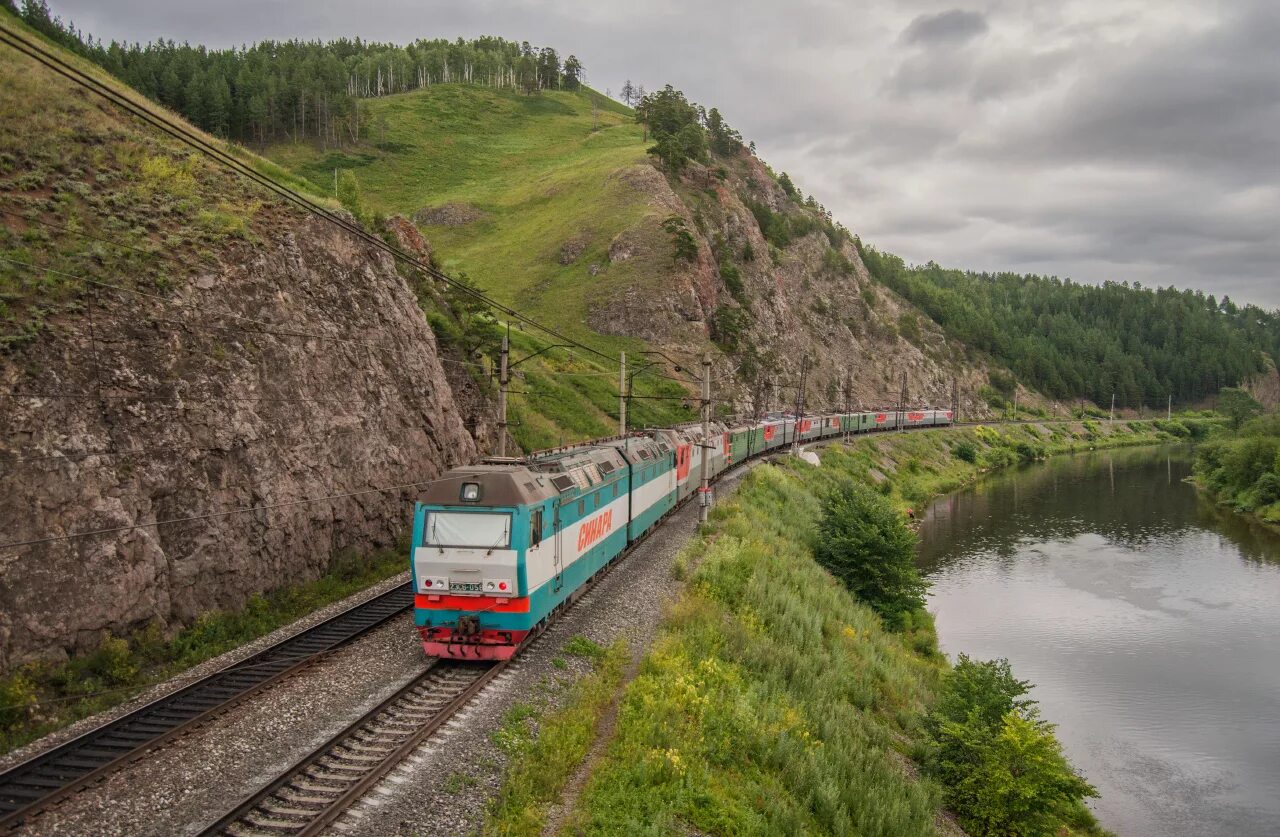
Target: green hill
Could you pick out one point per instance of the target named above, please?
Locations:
(530, 172)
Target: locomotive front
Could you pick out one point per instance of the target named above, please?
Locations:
(471, 535)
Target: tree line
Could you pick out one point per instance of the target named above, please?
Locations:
(292, 90)
(1072, 340)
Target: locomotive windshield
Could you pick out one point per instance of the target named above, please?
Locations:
(468, 529)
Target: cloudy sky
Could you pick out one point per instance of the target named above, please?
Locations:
(1095, 139)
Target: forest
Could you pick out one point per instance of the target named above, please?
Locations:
(1071, 340)
(292, 90)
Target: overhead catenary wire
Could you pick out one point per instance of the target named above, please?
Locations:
(272, 329)
(183, 134)
(112, 530)
(75, 456)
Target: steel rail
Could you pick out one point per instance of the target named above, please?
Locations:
(31, 786)
(314, 791)
(48, 777)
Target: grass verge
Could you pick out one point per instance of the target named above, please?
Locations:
(773, 701)
(543, 752)
(39, 698)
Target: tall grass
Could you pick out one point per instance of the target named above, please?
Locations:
(774, 702)
(540, 765)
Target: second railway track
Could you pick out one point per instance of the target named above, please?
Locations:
(314, 792)
(42, 780)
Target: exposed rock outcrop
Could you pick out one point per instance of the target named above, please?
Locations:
(447, 215)
(303, 368)
(809, 299)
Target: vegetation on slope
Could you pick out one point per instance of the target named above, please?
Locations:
(90, 194)
(303, 89)
(1083, 341)
(776, 701)
(1242, 470)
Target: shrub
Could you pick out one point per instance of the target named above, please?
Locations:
(113, 662)
(1029, 451)
(863, 542)
(966, 452)
(17, 699)
(733, 282)
(999, 765)
(684, 247)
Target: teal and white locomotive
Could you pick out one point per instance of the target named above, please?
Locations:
(500, 548)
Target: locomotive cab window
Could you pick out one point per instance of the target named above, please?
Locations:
(535, 527)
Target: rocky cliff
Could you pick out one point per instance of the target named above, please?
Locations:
(301, 370)
(228, 391)
(771, 302)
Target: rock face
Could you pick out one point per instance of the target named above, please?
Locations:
(1266, 386)
(301, 369)
(808, 302)
(447, 215)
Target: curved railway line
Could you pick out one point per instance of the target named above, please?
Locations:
(315, 791)
(42, 780)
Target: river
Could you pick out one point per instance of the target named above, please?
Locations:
(1148, 620)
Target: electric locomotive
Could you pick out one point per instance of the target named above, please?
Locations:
(501, 547)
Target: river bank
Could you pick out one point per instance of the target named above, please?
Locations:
(1145, 616)
(772, 700)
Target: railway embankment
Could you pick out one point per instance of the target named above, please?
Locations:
(770, 698)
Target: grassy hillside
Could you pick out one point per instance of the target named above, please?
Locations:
(88, 192)
(774, 701)
(532, 171)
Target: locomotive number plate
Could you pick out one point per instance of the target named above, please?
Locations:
(464, 586)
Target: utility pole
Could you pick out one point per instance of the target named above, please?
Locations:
(1015, 402)
(622, 396)
(1168, 411)
(955, 398)
(795, 429)
(704, 491)
(1113, 408)
(848, 403)
(502, 397)
(902, 401)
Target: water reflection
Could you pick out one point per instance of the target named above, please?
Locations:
(1147, 618)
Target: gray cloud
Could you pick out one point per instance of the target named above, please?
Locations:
(1096, 139)
(953, 26)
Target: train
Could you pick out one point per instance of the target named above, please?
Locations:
(500, 548)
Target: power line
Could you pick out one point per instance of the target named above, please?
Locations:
(213, 515)
(270, 330)
(177, 399)
(39, 53)
(76, 456)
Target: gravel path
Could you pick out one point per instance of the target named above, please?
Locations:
(444, 787)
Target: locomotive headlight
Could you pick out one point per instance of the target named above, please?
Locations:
(489, 585)
(470, 492)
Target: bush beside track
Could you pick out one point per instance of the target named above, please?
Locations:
(774, 701)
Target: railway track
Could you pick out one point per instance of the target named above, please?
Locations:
(282, 807)
(314, 792)
(42, 780)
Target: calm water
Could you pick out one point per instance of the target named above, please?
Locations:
(1148, 620)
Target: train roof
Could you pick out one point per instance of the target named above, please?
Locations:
(501, 484)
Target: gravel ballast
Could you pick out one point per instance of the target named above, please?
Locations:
(443, 788)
